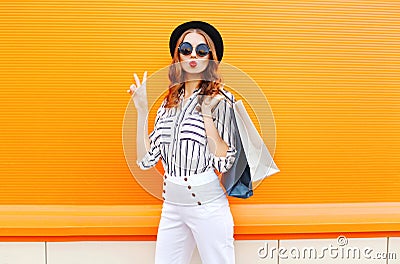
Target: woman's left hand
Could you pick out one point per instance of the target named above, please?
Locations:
(209, 103)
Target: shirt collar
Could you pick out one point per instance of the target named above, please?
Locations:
(195, 91)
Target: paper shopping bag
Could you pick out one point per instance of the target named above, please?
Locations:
(257, 155)
(237, 180)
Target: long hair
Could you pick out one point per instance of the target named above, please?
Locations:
(211, 81)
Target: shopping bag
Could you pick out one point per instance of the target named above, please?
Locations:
(253, 161)
(258, 157)
(237, 180)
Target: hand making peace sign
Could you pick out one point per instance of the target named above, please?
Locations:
(139, 93)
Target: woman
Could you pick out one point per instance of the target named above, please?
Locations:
(192, 135)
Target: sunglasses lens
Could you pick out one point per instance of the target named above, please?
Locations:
(185, 48)
(202, 50)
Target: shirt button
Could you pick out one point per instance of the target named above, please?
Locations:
(165, 183)
(163, 198)
(193, 194)
(165, 176)
(163, 191)
(185, 179)
(189, 187)
(198, 203)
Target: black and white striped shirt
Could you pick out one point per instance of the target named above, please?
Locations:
(179, 138)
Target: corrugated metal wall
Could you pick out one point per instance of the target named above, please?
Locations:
(330, 71)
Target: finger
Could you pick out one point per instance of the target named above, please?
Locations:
(132, 89)
(217, 99)
(136, 79)
(143, 89)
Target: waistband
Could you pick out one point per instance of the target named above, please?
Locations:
(195, 189)
(194, 179)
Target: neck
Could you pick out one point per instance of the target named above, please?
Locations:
(190, 86)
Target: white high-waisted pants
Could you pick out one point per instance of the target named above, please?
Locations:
(195, 212)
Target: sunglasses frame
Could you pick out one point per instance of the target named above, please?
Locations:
(197, 49)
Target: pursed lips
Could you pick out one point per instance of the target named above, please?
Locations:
(193, 63)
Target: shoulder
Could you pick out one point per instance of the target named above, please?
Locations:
(161, 109)
(163, 103)
(227, 97)
(225, 105)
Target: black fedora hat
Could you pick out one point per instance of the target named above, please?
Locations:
(206, 27)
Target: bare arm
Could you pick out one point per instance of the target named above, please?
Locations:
(146, 152)
(142, 135)
(217, 145)
(221, 135)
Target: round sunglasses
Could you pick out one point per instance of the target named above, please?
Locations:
(185, 48)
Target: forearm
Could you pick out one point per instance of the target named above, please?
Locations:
(217, 145)
(142, 137)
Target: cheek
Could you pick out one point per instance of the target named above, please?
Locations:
(183, 63)
(185, 66)
(203, 64)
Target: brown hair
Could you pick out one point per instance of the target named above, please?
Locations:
(210, 83)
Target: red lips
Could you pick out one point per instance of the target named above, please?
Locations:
(193, 64)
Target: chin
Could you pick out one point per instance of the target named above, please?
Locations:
(194, 71)
(197, 69)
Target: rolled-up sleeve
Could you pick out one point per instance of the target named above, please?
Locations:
(224, 123)
(152, 156)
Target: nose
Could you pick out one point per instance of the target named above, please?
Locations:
(193, 55)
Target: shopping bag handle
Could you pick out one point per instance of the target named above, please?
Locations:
(224, 94)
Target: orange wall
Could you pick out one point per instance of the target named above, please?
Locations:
(330, 71)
